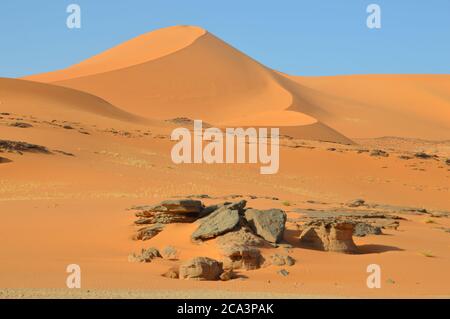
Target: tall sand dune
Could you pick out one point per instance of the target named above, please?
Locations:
(186, 71)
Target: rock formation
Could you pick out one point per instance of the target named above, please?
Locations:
(329, 236)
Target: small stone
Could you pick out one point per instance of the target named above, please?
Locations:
(172, 273)
(356, 203)
(283, 272)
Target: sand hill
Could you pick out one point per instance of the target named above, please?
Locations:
(184, 71)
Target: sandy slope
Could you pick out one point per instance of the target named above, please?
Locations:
(50, 101)
(380, 105)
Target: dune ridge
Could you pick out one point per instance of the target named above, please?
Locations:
(188, 72)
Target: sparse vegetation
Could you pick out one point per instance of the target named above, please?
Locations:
(427, 254)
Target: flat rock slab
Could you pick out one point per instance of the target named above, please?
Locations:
(269, 224)
(219, 222)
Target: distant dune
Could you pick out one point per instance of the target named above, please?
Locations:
(185, 71)
(39, 99)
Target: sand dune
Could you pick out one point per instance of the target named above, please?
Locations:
(184, 71)
(51, 101)
(195, 73)
(416, 106)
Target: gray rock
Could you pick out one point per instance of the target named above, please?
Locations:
(269, 224)
(22, 147)
(201, 268)
(212, 208)
(21, 125)
(423, 155)
(363, 229)
(283, 272)
(219, 222)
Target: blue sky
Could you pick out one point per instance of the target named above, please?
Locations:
(301, 37)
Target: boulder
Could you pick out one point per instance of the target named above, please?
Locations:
(363, 229)
(201, 268)
(329, 236)
(269, 224)
(219, 222)
(241, 257)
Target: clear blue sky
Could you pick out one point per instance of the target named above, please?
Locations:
(302, 37)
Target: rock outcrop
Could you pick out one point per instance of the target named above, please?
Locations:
(170, 211)
(269, 224)
(221, 221)
(201, 268)
(329, 236)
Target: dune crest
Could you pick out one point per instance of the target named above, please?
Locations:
(144, 48)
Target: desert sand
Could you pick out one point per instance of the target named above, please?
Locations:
(106, 125)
